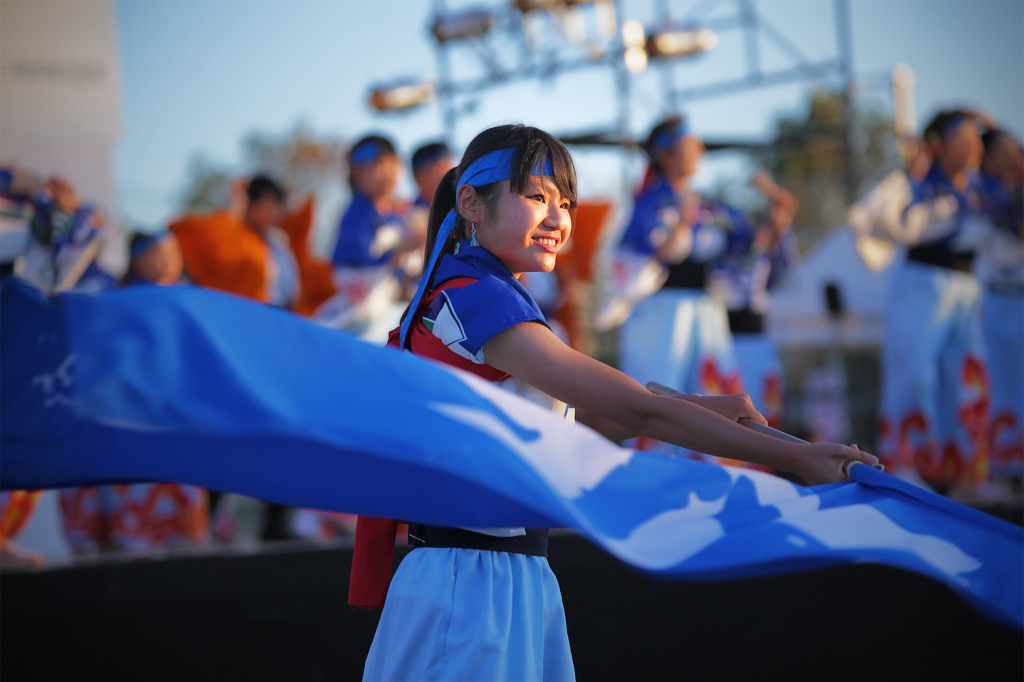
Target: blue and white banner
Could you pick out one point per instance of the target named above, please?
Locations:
(192, 386)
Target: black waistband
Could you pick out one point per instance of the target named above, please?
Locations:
(534, 543)
(686, 275)
(933, 255)
(746, 322)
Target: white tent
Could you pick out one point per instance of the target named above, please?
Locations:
(799, 314)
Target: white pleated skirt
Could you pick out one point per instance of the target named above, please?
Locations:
(466, 614)
(680, 338)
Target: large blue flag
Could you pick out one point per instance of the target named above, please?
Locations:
(193, 386)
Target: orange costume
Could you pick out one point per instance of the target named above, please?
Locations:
(221, 252)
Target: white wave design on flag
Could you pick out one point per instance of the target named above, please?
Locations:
(570, 459)
(672, 537)
(860, 526)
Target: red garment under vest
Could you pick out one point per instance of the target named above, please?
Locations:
(375, 538)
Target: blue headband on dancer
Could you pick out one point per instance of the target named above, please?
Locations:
(143, 243)
(667, 138)
(364, 152)
(493, 167)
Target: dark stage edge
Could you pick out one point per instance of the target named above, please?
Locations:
(281, 614)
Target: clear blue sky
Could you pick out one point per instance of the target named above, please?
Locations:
(198, 75)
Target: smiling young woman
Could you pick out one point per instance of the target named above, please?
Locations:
(482, 603)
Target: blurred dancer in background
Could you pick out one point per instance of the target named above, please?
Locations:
(50, 235)
(936, 388)
(372, 227)
(155, 259)
(1000, 269)
(756, 260)
(258, 249)
(679, 336)
(372, 240)
(429, 164)
(243, 254)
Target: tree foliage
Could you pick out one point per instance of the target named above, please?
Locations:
(206, 186)
(810, 155)
(302, 161)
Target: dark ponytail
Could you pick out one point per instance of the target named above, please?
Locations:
(532, 145)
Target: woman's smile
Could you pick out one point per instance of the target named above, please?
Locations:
(551, 244)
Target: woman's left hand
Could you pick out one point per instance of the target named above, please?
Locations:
(732, 407)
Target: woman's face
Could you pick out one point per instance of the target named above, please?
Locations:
(160, 263)
(961, 149)
(264, 213)
(526, 231)
(683, 158)
(377, 179)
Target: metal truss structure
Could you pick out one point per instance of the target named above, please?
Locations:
(541, 40)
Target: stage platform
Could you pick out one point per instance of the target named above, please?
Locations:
(279, 613)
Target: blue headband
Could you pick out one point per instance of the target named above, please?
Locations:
(497, 166)
(667, 138)
(364, 152)
(144, 243)
(489, 168)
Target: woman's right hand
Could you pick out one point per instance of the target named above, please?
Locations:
(732, 407)
(822, 463)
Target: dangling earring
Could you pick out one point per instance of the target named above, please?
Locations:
(472, 236)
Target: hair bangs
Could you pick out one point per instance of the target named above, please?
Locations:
(538, 147)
